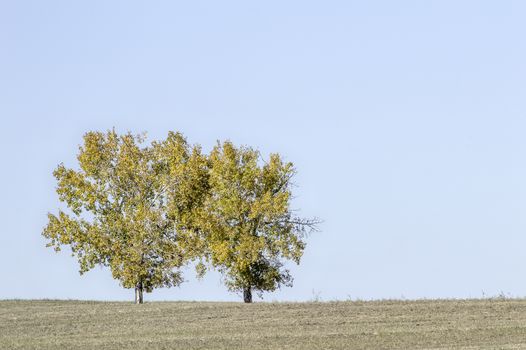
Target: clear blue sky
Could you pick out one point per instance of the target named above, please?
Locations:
(406, 121)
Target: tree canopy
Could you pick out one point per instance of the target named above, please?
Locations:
(123, 207)
(146, 210)
(250, 228)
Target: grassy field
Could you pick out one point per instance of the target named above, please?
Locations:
(466, 324)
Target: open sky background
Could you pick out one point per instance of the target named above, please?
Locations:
(406, 121)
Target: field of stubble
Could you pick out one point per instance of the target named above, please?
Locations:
(432, 324)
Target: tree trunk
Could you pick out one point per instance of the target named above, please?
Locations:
(247, 295)
(138, 293)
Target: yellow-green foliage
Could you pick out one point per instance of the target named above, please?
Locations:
(130, 206)
(249, 226)
(144, 211)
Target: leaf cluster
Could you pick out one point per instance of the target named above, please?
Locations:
(145, 211)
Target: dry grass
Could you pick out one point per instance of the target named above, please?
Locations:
(466, 324)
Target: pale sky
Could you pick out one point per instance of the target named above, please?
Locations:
(406, 121)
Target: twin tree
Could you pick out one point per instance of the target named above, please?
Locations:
(145, 211)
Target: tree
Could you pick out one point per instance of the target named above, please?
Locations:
(121, 204)
(249, 227)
